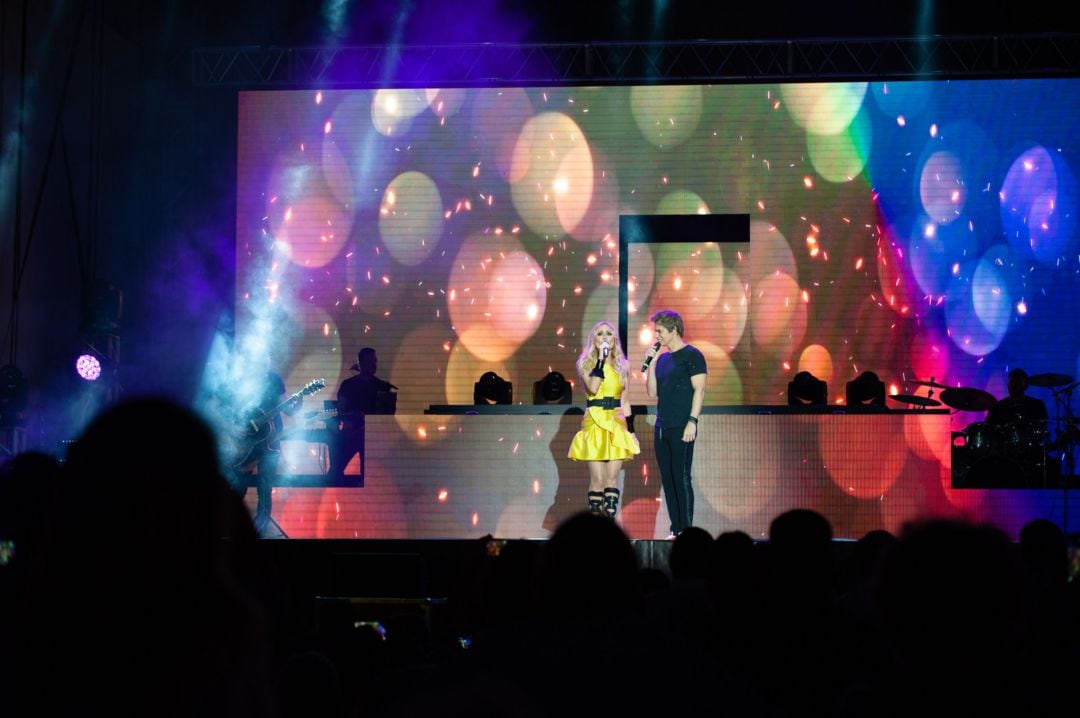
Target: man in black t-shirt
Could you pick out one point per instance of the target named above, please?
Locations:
(677, 380)
(357, 397)
(1017, 406)
(1020, 421)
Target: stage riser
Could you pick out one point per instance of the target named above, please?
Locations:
(464, 476)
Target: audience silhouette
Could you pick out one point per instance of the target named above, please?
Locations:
(142, 606)
(1052, 615)
(951, 605)
(135, 585)
(29, 484)
(685, 606)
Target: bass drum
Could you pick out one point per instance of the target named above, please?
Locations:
(982, 438)
(1002, 472)
(1024, 436)
(994, 472)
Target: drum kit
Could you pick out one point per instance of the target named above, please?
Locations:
(959, 398)
(922, 402)
(1017, 454)
(1067, 440)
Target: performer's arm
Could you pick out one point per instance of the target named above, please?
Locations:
(344, 416)
(698, 382)
(594, 378)
(650, 373)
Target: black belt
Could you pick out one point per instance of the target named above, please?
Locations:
(607, 402)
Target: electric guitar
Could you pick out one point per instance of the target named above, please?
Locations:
(316, 416)
(310, 430)
(258, 429)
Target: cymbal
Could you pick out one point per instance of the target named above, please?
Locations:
(916, 400)
(933, 384)
(1049, 380)
(968, 399)
(1070, 387)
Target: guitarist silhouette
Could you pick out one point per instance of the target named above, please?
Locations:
(258, 444)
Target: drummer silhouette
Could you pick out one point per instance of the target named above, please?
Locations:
(1017, 431)
(1017, 407)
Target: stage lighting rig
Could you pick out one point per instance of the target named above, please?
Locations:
(493, 389)
(553, 389)
(865, 390)
(89, 366)
(805, 388)
(99, 357)
(14, 393)
(103, 308)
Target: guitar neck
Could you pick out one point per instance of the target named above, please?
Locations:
(268, 415)
(285, 403)
(312, 388)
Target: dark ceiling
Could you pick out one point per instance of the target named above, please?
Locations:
(289, 22)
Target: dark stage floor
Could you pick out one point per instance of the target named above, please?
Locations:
(385, 580)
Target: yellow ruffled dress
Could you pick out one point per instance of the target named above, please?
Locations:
(603, 435)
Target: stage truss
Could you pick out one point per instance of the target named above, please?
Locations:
(497, 64)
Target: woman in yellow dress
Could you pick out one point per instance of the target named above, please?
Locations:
(604, 441)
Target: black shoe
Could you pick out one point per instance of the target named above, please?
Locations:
(611, 502)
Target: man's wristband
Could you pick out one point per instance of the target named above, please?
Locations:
(693, 420)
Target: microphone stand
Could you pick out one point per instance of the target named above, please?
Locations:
(1063, 397)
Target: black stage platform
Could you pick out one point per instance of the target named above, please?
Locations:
(394, 577)
(410, 569)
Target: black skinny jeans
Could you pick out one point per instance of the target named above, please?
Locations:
(676, 457)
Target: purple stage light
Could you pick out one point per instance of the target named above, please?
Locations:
(88, 367)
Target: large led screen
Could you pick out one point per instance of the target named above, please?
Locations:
(925, 231)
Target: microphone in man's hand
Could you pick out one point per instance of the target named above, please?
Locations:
(648, 360)
(605, 348)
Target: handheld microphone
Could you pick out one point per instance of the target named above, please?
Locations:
(605, 348)
(648, 360)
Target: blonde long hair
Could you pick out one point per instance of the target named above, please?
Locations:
(616, 357)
